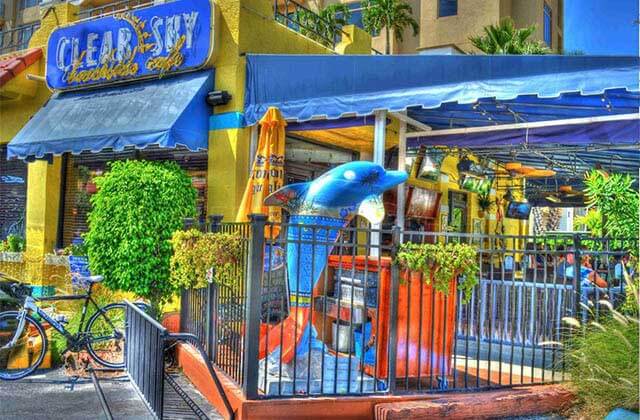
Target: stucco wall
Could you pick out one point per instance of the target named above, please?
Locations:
(528, 12)
(472, 16)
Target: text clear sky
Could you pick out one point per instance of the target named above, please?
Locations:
(601, 27)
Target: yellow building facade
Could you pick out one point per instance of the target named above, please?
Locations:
(241, 27)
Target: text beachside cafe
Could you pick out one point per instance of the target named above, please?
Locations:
(129, 85)
(563, 115)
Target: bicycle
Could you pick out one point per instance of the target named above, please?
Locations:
(23, 341)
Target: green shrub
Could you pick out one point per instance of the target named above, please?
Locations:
(15, 243)
(195, 253)
(617, 201)
(602, 360)
(136, 210)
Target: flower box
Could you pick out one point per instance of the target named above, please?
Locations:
(59, 260)
(12, 257)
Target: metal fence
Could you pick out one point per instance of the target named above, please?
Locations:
(17, 39)
(144, 358)
(369, 327)
(301, 19)
(146, 342)
(112, 8)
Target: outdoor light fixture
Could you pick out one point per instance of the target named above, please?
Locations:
(218, 97)
(464, 165)
(508, 195)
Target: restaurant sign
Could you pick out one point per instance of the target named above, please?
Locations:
(148, 42)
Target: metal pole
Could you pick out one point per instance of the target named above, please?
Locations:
(393, 312)
(577, 278)
(402, 154)
(253, 306)
(214, 222)
(188, 222)
(379, 140)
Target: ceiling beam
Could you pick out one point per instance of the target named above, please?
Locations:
(413, 122)
(537, 124)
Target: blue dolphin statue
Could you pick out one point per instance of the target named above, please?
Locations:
(330, 201)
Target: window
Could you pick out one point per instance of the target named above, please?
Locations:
(82, 169)
(547, 24)
(13, 195)
(24, 35)
(447, 8)
(25, 4)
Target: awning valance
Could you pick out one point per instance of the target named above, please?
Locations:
(166, 112)
(331, 87)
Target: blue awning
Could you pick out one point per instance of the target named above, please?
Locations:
(434, 88)
(166, 112)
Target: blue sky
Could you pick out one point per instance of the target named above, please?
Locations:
(601, 27)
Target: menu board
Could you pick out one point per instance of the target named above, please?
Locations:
(274, 285)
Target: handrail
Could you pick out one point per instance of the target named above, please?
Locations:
(298, 6)
(193, 340)
(188, 338)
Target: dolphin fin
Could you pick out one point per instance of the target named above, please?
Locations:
(372, 209)
(288, 196)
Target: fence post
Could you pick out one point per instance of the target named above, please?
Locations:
(187, 223)
(212, 298)
(255, 266)
(214, 222)
(577, 277)
(393, 310)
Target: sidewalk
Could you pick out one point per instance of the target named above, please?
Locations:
(52, 395)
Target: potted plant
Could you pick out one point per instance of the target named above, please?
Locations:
(201, 258)
(431, 274)
(484, 203)
(12, 248)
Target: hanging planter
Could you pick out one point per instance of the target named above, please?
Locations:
(431, 276)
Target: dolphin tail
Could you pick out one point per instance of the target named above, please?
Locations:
(291, 330)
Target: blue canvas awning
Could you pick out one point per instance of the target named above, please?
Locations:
(442, 91)
(166, 112)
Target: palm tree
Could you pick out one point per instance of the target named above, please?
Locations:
(505, 38)
(322, 26)
(392, 15)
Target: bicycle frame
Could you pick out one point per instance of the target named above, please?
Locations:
(30, 304)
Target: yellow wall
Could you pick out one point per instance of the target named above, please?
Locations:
(248, 26)
(488, 219)
(43, 179)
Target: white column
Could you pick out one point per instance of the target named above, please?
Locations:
(379, 137)
(402, 154)
(379, 140)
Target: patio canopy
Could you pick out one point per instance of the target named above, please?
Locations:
(442, 91)
(167, 112)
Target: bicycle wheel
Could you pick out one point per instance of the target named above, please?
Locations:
(28, 351)
(106, 329)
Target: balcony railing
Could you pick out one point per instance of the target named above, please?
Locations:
(111, 8)
(297, 17)
(17, 38)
